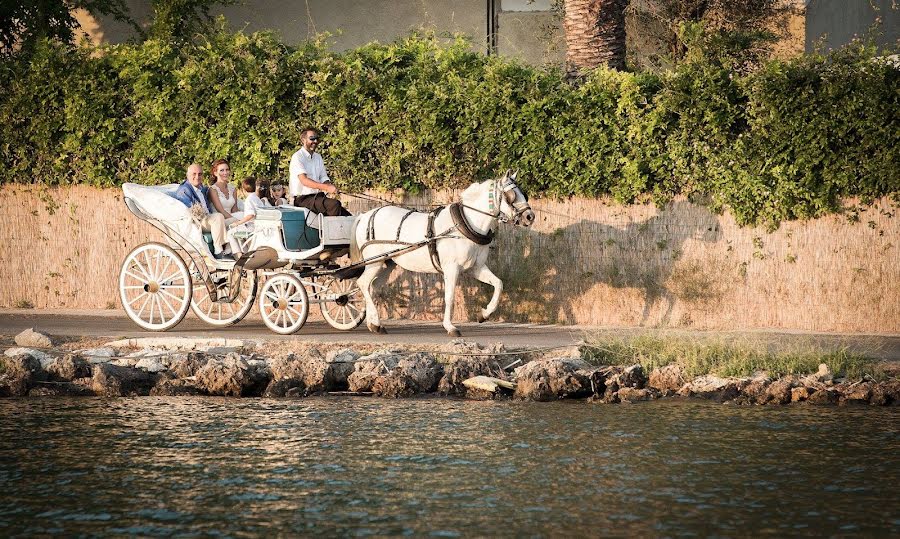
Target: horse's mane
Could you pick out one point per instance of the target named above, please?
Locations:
(473, 191)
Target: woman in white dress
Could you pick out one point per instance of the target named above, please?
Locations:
(222, 192)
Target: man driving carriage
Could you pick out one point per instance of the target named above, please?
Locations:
(309, 183)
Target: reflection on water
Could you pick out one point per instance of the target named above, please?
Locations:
(204, 466)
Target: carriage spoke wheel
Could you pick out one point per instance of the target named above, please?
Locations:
(221, 314)
(283, 304)
(155, 287)
(342, 303)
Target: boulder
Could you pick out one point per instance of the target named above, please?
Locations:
(117, 381)
(779, 391)
(886, 393)
(413, 375)
(225, 377)
(756, 390)
(61, 389)
(342, 364)
(667, 380)
(716, 388)
(552, 379)
(633, 394)
(819, 378)
(825, 396)
(151, 364)
(20, 373)
(604, 382)
(368, 368)
(175, 387)
(859, 393)
(98, 355)
(802, 393)
(287, 387)
(188, 366)
(311, 372)
(464, 368)
(30, 338)
(69, 367)
(44, 358)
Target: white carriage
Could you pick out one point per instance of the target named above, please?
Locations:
(289, 263)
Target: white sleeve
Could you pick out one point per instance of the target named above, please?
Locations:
(294, 171)
(325, 178)
(250, 206)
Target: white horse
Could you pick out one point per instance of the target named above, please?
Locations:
(449, 240)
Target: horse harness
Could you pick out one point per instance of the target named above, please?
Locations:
(459, 223)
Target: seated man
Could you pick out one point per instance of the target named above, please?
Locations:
(193, 192)
(309, 183)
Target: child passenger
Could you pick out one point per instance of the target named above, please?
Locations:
(276, 193)
(257, 198)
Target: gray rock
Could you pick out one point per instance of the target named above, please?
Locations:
(223, 350)
(175, 387)
(667, 380)
(98, 355)
(463, 368)
(755, 392)
(413, 375)
(310, 372)
(62, 389)
(606, 381)
(225, 377)
(859, 393)
(633, 394)
(44, 358)
(552, 379)
(368, 368)
(189, 365)
(717, 388)
(779, 391)
(20, 373)
(30, 338)
(825, 396)
(69, 367)
(802, 393)
(151, 364)
(886, 393)
(117, 381)
(343, 363)
(286, 387)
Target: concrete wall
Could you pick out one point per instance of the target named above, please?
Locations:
(353, 22)
(837, 22)
(584, 262)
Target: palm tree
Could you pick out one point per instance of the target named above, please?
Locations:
(595, 34)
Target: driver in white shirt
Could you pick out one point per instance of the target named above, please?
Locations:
(309, 183)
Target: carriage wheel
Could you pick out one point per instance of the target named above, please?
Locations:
(217, 313)
(283, 304)
(155, 287)
(342, 303)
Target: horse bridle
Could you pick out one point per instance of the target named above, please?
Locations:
(510, 192)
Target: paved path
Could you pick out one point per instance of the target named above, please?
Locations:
(114, 324)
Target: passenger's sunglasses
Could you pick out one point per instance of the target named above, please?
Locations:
(313, 139)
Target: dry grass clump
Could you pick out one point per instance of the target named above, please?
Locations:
(727, 358)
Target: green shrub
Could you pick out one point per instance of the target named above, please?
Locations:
(789, 140)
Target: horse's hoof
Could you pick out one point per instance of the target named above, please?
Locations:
(454, 333)
(376, 329)
(482, 319)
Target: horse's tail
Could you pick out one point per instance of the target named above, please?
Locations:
(355, 254)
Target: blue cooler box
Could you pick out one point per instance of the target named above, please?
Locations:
(298, 236)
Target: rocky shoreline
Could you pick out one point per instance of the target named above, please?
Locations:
(460, 369)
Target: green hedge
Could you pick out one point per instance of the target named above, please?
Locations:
(787, 141)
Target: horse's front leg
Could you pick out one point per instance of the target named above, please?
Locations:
(486, 276)
(365, 285)
(451, 274)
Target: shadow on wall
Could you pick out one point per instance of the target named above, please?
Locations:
(554, 270)
(546, 274)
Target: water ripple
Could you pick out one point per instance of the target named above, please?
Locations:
(223, 467)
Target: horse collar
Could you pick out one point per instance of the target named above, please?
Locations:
(459, 219)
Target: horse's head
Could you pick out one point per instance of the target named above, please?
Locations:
(513, 204)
